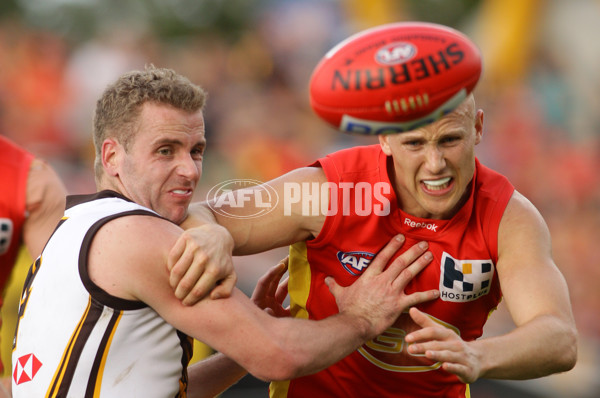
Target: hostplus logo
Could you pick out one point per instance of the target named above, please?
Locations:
(245, 198)
(465, 280)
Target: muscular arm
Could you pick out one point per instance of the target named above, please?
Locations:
(290, 221)
(536, 294)
(213, 375)
(45, 205)
(281, 348)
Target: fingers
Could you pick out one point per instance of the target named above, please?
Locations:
(384, 256)
(204, 284)
(282, 291)
(420, 318)
(194, 278)
(430, 329)
(177, 260)
(421, 297)
(224, 288)
(334, 288)
(268, 283)
(411, 262)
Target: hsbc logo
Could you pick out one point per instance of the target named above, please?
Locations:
(464, 280)
(26, 368)
(395, 53)
(355, 262)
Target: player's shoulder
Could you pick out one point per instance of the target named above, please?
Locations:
(521, 218)
(363, 158)
(134, 239)
(152, 230)
(356, 151)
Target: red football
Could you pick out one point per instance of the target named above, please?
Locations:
(394, 77)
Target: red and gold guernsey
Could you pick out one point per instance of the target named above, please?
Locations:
(14, 170)
(362, 218)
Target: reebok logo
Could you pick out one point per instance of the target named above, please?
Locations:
(414, 224)
(464, 280)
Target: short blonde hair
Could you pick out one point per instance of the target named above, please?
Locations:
(118, 109)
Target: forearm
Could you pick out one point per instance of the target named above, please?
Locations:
(543, 346)
(198, 214)
(299, 347)
(212, 376)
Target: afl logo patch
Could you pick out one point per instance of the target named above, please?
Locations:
(355, 262)
(395, 53)
(6, 232)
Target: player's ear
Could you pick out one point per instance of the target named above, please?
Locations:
(478, 126)
(111, 156)
(385, 144)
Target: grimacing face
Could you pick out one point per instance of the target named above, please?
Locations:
(433, 165)
(163, 164)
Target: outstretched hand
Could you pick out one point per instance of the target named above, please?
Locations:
(378, 295)
(200, 263)
(441, 344)
(270, 293)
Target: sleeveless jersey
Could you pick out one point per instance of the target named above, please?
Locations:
(364, 216)
(14, 170)
(75, 340)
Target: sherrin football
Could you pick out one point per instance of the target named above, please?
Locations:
(394, 77)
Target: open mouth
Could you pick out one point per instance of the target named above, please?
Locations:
(437, 185)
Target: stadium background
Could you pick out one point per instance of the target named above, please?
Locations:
(540, 91)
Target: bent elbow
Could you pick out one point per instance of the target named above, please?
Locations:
(278, 371)
(569, 358)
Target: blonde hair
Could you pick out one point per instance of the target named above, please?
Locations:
(118, 109)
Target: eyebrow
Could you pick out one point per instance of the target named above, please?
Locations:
(176, 142)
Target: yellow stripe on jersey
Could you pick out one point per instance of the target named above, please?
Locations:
(298, 289)
(104, 355)
(299, 280)
(60, 370)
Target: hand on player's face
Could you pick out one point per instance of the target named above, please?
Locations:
(378, 295)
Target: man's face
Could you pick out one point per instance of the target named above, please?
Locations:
(164, 162)
(434, 165)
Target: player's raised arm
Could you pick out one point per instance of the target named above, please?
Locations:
(296, 215)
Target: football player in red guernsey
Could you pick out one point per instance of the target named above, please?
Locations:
(488, 242)
(32, 201)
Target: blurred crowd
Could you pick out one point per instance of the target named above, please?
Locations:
(540, 91)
